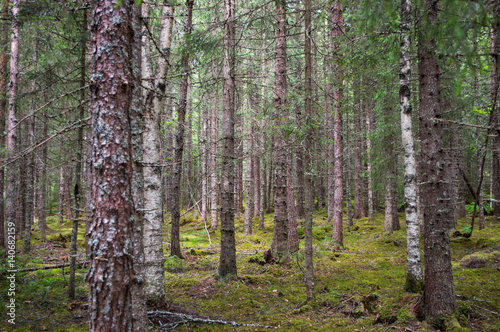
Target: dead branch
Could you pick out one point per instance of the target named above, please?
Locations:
(50, 267)
(204, 320)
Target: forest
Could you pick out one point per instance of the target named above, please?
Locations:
(250, 165)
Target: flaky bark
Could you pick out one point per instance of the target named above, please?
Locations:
(495, 102)
(12, 171)
(359, 210)
(293, 237)
(111, 270)
(227, 264)
(280, 233)
(214, 135)
(4, 58)
(335, 33)
(249, 183)
(369, 165)
(308, 180)
(438, 209)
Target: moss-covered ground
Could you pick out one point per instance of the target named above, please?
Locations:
(357, 289)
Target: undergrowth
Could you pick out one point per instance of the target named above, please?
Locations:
(358, 289)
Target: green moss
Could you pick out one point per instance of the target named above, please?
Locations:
(413, 285)
(404, 315)
(257, 258)
(480, 259)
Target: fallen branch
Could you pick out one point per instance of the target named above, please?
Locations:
(204, 320)
(50, 267)
(488, 310)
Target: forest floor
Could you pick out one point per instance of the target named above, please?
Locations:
(357, 289)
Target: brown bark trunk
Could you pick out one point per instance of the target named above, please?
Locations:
(67, 191)
(495, 99)
(60, 202)
(439, 297)
(280, 233)
(111, 270)
(4, 58)
(335, 34)
(308, 176)
(359, 210)
(175, 247)
(227, 264)
(293, 237)
(249, 194)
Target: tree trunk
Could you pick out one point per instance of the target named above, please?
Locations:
(227, 264)
(12, 170)
(495, 100)
(414, 276)
(41, 200)
(204, 165)
(359, 210)
(293, 237)
(214, 130)
(78, 167)
(175, 246)
(137, 111)
(369, 165)
(249, 195)
(154, 103)
(280, 233)
(439, 297)
(4, 58)
(60, 202)
(67, 169)
(30, 158)
(30, 189)
(308, 176)
(335, 33)
(347, 172)
(111, 270)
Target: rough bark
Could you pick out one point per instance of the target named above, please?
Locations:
(280, 234)
(60, 202)
(30, 189)
(78, 167)
(12, 170)
(347, 172)
(308, 180)
(293, 237)
(249, 183)
(41, 200)
(67, 169)
(214, 135)
(154, 103)
(335, 33)
(175, 247)
(495, 102)
(111, 270)
(438, 209)
(359, 210)
(4, 58)
(227, 264)
(138, 289)
(204, 165)
(369, 165)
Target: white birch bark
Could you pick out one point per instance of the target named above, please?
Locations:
(414, 276)
(154, 99)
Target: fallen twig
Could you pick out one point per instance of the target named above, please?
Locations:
(488, 310)
(49, 267)
(204, 320)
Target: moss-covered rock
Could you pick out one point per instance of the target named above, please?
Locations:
(480, 259)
